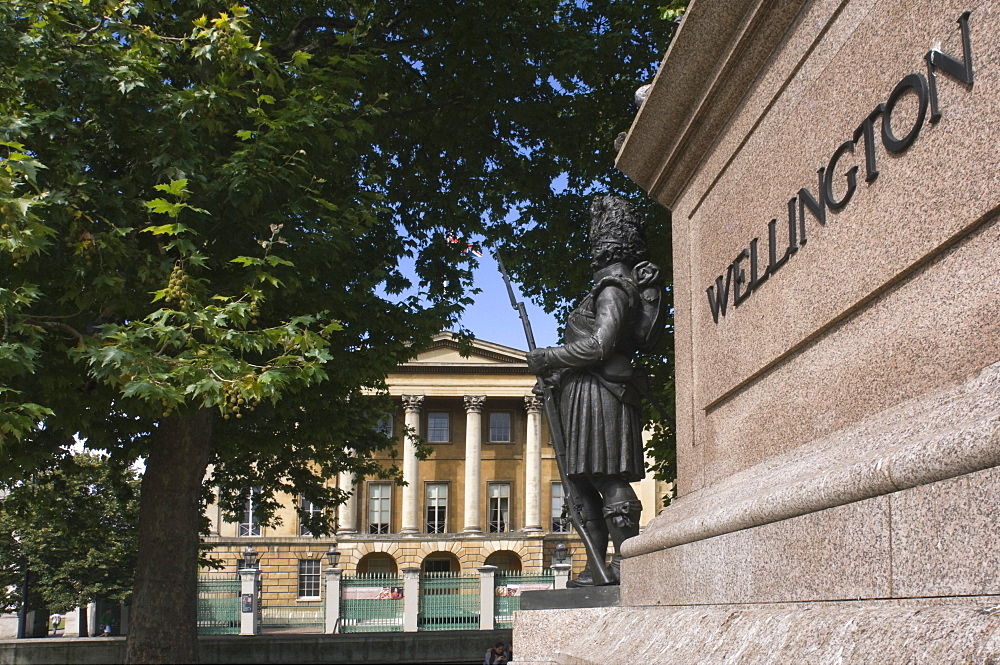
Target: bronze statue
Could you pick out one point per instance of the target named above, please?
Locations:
(597, 389)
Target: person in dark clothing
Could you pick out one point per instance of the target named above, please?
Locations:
(498, 654)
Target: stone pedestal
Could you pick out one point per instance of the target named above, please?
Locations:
(553, 599)
(831, 170)
(957, 631)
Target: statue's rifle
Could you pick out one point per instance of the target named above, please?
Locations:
(597, 559)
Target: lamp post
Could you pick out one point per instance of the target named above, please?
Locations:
(248, 592)
(333, 556)
(333, 575)
(249, 558)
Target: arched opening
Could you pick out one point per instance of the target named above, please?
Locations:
(506, 561)
(378, 562)
(440, 562)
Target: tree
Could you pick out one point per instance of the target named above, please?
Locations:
(74, 527)
(205, 210)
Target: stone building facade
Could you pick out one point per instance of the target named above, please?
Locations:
(489, 493)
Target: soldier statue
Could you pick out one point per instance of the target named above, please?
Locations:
(598, 392)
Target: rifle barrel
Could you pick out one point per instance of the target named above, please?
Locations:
(517, 305)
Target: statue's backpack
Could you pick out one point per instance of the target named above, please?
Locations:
(651, 319)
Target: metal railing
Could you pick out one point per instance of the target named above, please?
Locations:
(371, 602)
(507, 593)
(219, 604)
(448, 601)
(300, 615)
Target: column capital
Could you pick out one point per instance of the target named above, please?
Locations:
(474, 403)
(533, 403)
(413, 403)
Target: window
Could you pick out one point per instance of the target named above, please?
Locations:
(560, 511)
(309, 578)
(377, 562)
(499, 507)
(385, 425)
(311, 510)
(441, 562)
(379, 498)
(507, 562)
(500, 427)
(437, 427)
(437, 507)
(249, 526)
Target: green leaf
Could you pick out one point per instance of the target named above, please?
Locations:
(168, 229)
(163, 206)
(175, 187)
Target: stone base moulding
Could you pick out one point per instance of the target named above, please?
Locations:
(960, 630)
(933, 540)
(936, 436)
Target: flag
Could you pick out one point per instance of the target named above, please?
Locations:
(469, 248)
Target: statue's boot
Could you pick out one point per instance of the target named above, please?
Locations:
(599, 531)
(622, 523)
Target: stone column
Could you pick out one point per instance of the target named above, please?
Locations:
(411, 466)
(411, 599)
(332, 599)
(473, 461)
(347, 512)
(561, 573)
(248, 601)
(487, 593)
(92, 620)
(533, 465)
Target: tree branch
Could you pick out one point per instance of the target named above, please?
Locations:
(296, 40)
(58, 325)
(405, 113)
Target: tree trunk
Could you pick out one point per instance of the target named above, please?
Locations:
(164, 621)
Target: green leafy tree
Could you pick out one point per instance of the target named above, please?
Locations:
(74, 528)
(206, 210)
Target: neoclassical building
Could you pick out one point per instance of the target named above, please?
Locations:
(488, 493)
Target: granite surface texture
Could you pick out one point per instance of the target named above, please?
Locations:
(838, 431)
(931, 540)
(872, 310)
(939, 435)
(920, 633)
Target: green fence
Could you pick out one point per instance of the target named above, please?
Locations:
(219, 604)
(371, 602)
(300, 615)
(507, 593)
(448, 601)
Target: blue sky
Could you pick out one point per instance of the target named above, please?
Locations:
(493, 319)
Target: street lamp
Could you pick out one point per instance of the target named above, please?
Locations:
(561, 553)
(249, 557)
(333, 556)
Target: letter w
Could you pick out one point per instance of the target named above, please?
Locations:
(718, 295)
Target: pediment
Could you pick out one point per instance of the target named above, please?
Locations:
(444, 350)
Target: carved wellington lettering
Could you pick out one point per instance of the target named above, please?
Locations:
(788, 240)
